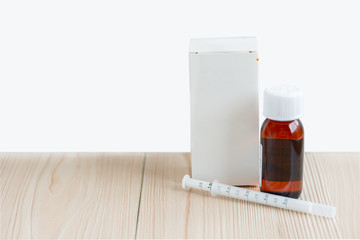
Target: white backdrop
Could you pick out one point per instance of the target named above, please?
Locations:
(113, 75)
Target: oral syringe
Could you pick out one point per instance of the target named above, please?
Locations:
(216, 188)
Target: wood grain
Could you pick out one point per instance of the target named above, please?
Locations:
(167, 211)
(95, 195)
(70, 195)
(342, 179)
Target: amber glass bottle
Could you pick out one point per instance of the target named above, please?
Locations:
(282, 140)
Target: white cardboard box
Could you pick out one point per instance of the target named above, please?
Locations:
(224, 110)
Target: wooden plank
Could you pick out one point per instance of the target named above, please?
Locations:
(97, 195)
(70, 195)
(342, 179)
(167, 211)
(164, 207)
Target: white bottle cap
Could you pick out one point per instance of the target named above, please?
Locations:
(283, 103)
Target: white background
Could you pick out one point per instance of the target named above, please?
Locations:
(113, 75)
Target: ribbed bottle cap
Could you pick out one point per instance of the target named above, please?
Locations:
(283, 103)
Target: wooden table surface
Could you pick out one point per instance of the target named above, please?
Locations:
(138, 195)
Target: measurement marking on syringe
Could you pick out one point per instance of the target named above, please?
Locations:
(285, 202)
(228, 190)
(247, 194)
(266, 197)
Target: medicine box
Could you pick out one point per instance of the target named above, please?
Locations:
(224, 110)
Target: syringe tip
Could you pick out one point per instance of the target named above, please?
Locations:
(185, 178)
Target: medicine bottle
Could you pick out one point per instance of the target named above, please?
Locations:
(282, 140)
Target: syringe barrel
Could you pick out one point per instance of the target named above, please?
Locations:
(260, 197)
(272, 200)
